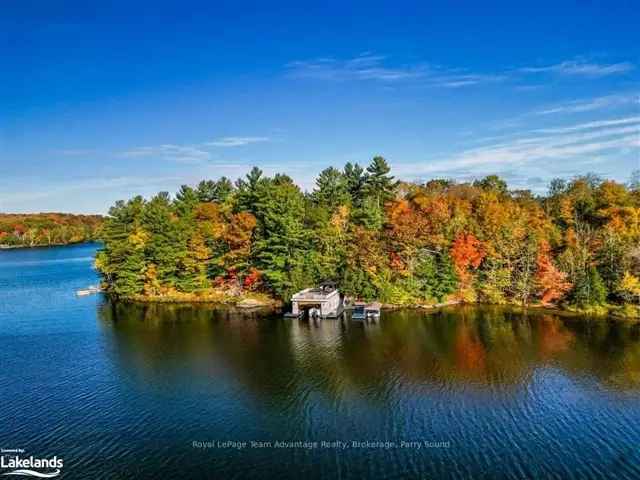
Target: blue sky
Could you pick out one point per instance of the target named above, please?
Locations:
(103, 100)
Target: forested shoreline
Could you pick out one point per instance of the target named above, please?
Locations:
(25, 230)
(401, 243)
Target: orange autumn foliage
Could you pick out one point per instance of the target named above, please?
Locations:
(551, 282)
(470, 354)
(554, 338)
(406, 225)
(466, 252)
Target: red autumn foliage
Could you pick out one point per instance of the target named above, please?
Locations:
(252, 279)
(551, 282)
(396, 262)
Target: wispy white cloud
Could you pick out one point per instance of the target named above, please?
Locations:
(363, 67)
(376, 68)
(190, 154)
(591, 125)
(559, 137)
(236, 141)
(464, 80)
(622, 102)
(177, 153)
(371, 67)
(588, 105)
(36, 192)
(603, 138)
(582, 68)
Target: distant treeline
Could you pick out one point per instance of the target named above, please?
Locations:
(401, 243)
(40, 229)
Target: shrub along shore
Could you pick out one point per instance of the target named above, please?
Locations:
(404, 244)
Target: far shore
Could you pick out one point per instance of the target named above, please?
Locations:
(44, 245)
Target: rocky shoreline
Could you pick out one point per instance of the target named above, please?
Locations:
(241, 301)
(263, 301)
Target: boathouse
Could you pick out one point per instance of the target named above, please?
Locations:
(325, 299)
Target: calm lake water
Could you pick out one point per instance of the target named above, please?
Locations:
(121, 391)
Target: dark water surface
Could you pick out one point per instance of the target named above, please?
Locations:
(121, 391)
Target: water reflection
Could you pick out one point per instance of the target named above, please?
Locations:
(517, 395)
(487, 348)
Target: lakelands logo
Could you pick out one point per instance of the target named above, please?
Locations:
(29, 466)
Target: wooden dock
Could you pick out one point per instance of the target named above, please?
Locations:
(365, 312)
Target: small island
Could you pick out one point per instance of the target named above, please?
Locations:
(27, 230)
(261, 239)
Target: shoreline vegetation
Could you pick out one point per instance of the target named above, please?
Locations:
(35, 230)
(45, 245)
(261, 239)
(266, 302)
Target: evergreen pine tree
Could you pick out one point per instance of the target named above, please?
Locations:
(248, 190)
(378, 183)
(166, 244)
(186, 201)
(331, 189)
(223, 190)
(355, 180)
(121, 261)
(130, 277)
(446, 279)
(590, 289)
(436, 276)
(214, 191)
(369, 214)
(282, 243)
(206, 191)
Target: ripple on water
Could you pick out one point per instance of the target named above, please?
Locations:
(122, 391)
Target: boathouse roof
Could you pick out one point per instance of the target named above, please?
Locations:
(325, 290)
